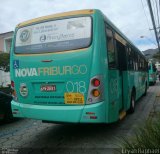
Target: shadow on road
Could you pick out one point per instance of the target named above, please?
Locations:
(15, 120)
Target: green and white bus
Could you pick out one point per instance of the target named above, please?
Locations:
(152, 73)
(75, 67)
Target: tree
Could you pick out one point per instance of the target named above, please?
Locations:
(4, 62)
(157, 56)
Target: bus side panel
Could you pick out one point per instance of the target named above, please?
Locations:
(126, 91)
(136, 81)
(115, 98)
(152, 73)
(132, 82)
(99, 60)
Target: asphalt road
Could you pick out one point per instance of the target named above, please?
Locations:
(33, 136)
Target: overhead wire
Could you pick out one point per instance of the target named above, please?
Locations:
(145, 13)
(147, 19)
(154, 11)
(157, 13)
(158, 16)
(159, 23)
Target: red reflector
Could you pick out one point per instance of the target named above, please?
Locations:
(12, 84)
(93, 117)
(96, 82)
(90, 113)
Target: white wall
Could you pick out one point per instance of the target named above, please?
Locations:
(4, 78)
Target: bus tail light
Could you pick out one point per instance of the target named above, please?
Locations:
(96, 82)
(95, 92)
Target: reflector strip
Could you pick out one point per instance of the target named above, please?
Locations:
(90, 113)
(93, 117)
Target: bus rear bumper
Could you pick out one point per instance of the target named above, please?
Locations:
(94, 113)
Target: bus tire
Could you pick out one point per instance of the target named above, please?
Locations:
(8, 117)
(132, 103)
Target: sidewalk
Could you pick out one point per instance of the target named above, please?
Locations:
(155, 111)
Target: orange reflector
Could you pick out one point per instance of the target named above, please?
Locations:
(96, 93)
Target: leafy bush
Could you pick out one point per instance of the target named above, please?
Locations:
(145, 137)
(4, 62)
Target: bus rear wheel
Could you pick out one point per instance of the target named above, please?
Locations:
(132, 103)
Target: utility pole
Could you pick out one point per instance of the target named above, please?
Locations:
(153, 22)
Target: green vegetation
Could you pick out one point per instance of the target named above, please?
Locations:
(4, 62)
(145, 137)
(157, 56)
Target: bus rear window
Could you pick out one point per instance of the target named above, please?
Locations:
(54, 36)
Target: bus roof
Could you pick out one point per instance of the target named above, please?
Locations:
(64, 14)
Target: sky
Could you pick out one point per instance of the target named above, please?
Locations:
(128, 15)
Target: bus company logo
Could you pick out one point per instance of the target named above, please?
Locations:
(23, 89)
(26, 72)
(43, 38)
(24, 36)
(52, 71)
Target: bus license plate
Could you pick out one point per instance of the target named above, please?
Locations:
(74, 98)
(48, 88)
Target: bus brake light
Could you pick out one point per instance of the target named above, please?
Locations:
(95, 93)
(96, 82)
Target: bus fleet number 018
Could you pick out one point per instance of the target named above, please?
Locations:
(76, 87)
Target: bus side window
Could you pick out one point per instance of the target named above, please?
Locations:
(149, 66)
(135, 61)
(143, 64)
(146, 66)
(130, 59)
(139, 63)
(154, 68)
(121, 53)
(110, 49)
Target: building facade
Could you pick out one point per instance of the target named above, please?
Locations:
(5, 44)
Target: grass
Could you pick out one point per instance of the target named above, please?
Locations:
(146, 136)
